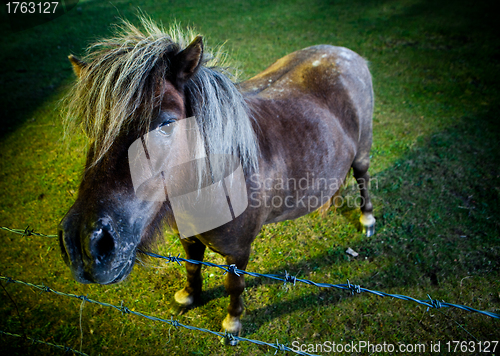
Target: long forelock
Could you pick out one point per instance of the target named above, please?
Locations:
(121, 86)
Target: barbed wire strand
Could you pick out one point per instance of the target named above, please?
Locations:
(353, 288)
(33, 340)
(25, 232)
(124, 310)
(287, 278)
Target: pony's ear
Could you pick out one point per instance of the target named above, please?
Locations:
(78, 65)
(187, 61)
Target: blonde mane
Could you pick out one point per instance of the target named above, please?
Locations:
(121, 85)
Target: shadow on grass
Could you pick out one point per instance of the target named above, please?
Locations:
(34, 64)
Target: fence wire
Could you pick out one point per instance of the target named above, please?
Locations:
(353, 288)
(286, 278)
(38, 341)
(289, 279)
(124, 310)
(25, 232)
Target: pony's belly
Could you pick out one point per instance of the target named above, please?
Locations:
(291, 205)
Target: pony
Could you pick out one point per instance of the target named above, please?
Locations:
(288, 137)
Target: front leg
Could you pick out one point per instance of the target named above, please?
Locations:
(235, 285)
(195, 250)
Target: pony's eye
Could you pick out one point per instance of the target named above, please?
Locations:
(166, 128)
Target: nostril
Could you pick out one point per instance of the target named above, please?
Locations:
(102, 243)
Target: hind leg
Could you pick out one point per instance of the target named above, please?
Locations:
(195, 250)
(360, 172)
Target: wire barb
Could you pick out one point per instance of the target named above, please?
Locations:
(289, 279)
(232, 269)
(28, 232)
(434, 303)
(354, 288)
(174, 323)
(229, 337)
(124, 309)
(175, 259)
(279, 347)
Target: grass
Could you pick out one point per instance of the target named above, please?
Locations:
(436, 185)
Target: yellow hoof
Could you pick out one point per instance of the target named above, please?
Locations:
(368, 223)
(183, 298)
(232, 326)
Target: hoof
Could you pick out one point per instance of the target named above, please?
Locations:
(232, 326)
(369, 230)
(182, 302)
(183, 298)
(368, 223)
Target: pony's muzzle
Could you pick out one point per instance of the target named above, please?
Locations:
(91, 251)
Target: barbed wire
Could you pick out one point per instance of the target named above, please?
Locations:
(287, 278)
(25, 232)
(176, 324)
(33, 340)
(353, 288)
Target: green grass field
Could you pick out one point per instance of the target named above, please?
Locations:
(435, 169)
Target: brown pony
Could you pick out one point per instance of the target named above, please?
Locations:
(296, 129)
